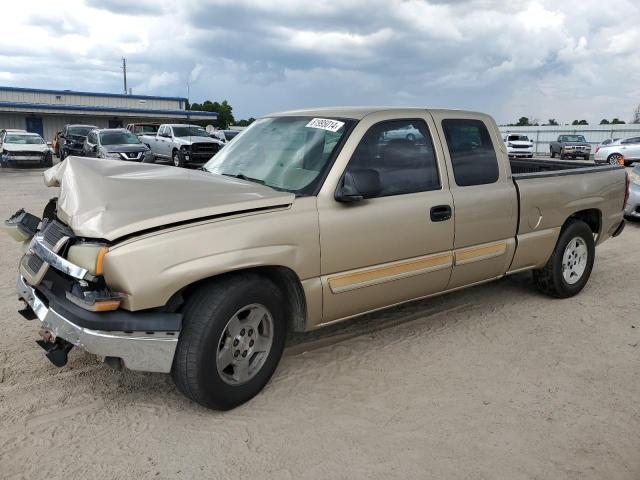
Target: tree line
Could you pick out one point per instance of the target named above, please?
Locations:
(225, 114)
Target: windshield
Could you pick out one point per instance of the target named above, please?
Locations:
(81, 131)
(518, 138)
(119, 137)
(191, 131)
(286, 153)
(146, 128)
(573, 138)
(24, 139)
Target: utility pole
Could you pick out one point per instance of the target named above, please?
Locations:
(124, 71)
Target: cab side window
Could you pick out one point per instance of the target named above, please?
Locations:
(402, 153)
(473, 157)
(92, 138)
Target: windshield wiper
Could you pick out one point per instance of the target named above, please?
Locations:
(242, 176)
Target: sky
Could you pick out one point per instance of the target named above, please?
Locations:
(562, 59)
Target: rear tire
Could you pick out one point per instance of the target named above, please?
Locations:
(214, 329)
(614, 159)
(569, 267)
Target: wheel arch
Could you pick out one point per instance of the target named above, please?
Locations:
(591, 216)
(283, 277)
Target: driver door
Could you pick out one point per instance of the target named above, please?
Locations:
(396, 246)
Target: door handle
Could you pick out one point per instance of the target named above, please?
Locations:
(440, 213)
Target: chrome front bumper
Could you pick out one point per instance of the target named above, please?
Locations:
(138, 350)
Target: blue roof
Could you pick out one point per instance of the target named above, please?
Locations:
(95, 94)
(48, 106)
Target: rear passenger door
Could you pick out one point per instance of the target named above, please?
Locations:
(484, 197)
(394, 247)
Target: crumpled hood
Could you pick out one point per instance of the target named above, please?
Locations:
(110, 199)
(26, 147)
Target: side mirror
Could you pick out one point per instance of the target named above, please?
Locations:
(358, 185)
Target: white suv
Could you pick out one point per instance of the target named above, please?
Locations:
(519, 145)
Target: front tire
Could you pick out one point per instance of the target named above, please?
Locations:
(231, 341)
(553, 154)
(177, 159)
(569, 267)
(48, 160)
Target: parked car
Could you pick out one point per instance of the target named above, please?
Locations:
(625, 151)
(606, 142)
(230, 134)
(632, 206)
(572, 146)
(143, 128)
(71, 140)
(518, 145)
(224, 136)
(408, 133)
(308, 218)
(18, 147)
(117, 144)
(182, 144)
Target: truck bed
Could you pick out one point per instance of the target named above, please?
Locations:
(522, 169)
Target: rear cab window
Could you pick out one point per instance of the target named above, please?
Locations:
(473, 156)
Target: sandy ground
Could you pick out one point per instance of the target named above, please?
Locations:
(495, 382)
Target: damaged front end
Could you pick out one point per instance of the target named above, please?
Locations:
(61, 283)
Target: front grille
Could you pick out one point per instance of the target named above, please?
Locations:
(520, 146)
(26, 154)
(54, 232)
(34, 263)
(204, 149)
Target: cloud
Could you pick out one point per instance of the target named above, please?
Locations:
(525, 57)
(128, 8)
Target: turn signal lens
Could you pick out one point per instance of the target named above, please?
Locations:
(105, 305)
(100, 260)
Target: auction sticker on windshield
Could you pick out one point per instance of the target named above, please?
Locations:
(325, 124)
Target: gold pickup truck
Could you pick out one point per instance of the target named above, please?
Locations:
(306, 219)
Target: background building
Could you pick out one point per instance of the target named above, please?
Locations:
(47, 111)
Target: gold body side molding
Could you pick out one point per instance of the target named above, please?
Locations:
(390, 272)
